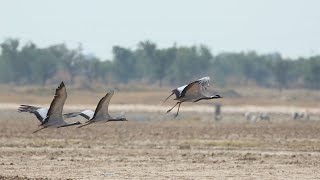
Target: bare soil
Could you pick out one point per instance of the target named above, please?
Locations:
(154, 145)
(190, 147)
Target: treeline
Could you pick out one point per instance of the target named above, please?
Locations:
(29, 64)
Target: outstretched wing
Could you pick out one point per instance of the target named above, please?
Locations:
(88, 114)
(102, 107)
(56, 106)
(71, 115)
(204, 82)
(27, 108)
(196, 90)
(39, 112)
(192, 89)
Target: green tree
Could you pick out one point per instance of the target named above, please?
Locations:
(147, 58)
(10, 61)
(281, 70)
(66, 59)
(190, 63)
(124, 64)
(44, 67)
(164, 58)
(28, 55)
(312, 73)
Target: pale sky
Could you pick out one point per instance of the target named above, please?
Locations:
(291, 27)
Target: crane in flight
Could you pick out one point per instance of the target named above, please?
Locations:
(101, 113)
(192, 92)
(51, 118)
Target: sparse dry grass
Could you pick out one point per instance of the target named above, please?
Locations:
(229, 144)
(154, 95)
(194, 148)
(155, 146)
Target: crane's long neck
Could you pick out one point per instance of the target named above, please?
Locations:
(215, 97)
(72, 124)
(210, 97)
(114, 120)
(117, 119)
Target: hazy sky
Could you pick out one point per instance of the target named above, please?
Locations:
(291, 27)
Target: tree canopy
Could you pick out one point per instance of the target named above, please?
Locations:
(29, 64)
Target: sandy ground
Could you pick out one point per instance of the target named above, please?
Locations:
(154, 146)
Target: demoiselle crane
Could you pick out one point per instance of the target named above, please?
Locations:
(100, 114)
(193, 92)
(264, 116)
(300, 115)
(53, 117)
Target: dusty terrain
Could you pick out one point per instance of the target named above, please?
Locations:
(154, 145)
(190, 147)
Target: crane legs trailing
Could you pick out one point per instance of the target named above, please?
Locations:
(175, 106)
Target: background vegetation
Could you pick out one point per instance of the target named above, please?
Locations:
(148, 64)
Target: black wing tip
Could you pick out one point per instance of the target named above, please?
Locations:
(85, 116)
(21, 109)
(110, 92)
(24, 105)
(61, 84)
(25, 108)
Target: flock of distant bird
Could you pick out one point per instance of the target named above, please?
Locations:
(264, 116)
(53, 117)
(252, 117)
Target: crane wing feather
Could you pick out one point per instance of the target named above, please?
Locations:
(191, 89)
(39, 112)
(88, 114)
(103, 105)
(196, 90)
(56, 106)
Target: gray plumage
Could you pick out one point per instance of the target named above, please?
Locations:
(101, 113)
(41, 112)
(87, 114)
(193, 92)
(54, 117)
